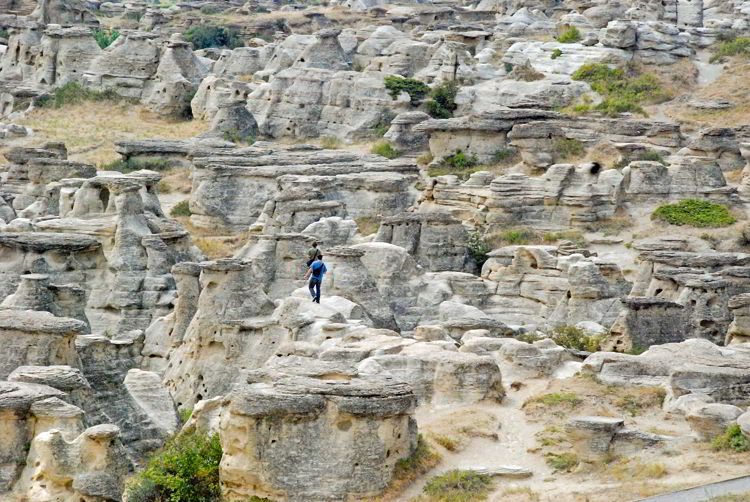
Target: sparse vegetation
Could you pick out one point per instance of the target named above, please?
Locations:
(562, 462)
(182, 208)
(611, 226)
(367, 225)
(416, 89)
(694, 213)
(567, 148)
(735, 47)
(556, 54)
(205, 36)
(213, 247)
(505, 156)
(575, 338)
(522, 491)
(330, 143)
(185, 415)
(73, 93)
(647, 397)
(457, 486)
(442, 102)
(526, 73)
(422, 460)
(556, 399)
(446, 442)
(570, 36)
(425, 158)
(105, 38)
(508, 67)
(130, 165)
(732, 439)
(529, 337)
(383, 124)
(238, 138)
(478, 248)
(621, 92)
(459, 164)
(185, 470)
(4, 34)
(385, 149)
(522, 235)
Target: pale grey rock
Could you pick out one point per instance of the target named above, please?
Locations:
(711, 420)
(153, 398)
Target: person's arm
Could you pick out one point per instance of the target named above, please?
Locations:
(307, 274)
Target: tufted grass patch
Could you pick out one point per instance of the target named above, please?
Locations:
(456, 486)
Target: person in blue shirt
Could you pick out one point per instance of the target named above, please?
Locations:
(315, 273)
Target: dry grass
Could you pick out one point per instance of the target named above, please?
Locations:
(446, 442)
(176, 180)
(518, 494)
(90, 130)
(407, 470)
(220, 247)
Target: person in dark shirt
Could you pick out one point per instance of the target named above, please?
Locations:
(315, 273)
(313, 253)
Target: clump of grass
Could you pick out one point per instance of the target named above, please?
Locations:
(73, 93)
(570, 36)
(523, 491)
(422, 460)
(330, 143)
(556, 399)
(105, 38)
(442, 102)
(446, 442)
(732, 439)
(185, 470)
(416, 89)
(567, 148)
(694, 213)
(529, 337)
(238, 138)
(457, 486)
(711, 240)
(735, 47)
(575, 338)
(635, 403)
(459, 163)
(367, 225)
(637, 350)
(478, 248)
(163, 186)
(383, 124)
(505, 156)
(562, 462)
(185, 415)
(213, 247)
(182, 208)
(556, 54)
(131, 165)
(622, 93)
(425, 158)
(385, 149)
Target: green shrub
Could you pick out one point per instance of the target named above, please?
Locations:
(505, 156)
(185, 470)
(622, 93)
(105, 37)
(182, 208)
(460, 160)
(529, 337)
(383, 123)
(206, 36)
(238, 138)
(416, 89)
(508, 67)
(185, 413)
(385, 149)
(557, 398)
(736, 47)
(73, 93)
(419, 462)
(568, 148)
(570, 36)
(478, 248)
(519, 236)
(130, 165)
(458, 486)
(694, 213)
(442, 102)
(556, 54)
(732, 439)
(562, 461)
(4, 34)
(575, 338)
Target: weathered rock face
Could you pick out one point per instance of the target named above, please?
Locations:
(64, 12)
(361, 425)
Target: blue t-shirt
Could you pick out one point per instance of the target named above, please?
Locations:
(318, 269)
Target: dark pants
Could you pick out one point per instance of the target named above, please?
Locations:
(315, 289)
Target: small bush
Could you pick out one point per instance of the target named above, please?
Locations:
(73, 93)
(508, 67)
(423, 459)
(446, 442)
(556, 54)
(384, 149)
(460, 160)
(652, 157)
(205, 36)
(575, 338)
(416, 89)
(570, 36)
(458, 486)
(694, 213)
(131, 165)
(478, 248)
(4, 34)
(442, 102)
(185, 470)
(529, 337)
(182, 208)
(238, 138)
(163, 186)
(330, 143)
(383, 124)
(732, 439)
(105, 38)
(622, 93)
(185, 415)
(736, 47)
(562, 461)
(568, 148)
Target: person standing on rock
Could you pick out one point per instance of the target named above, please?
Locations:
(313, 253)
(315, 273)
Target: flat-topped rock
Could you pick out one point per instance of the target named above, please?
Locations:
(48, 241)
(36, 322)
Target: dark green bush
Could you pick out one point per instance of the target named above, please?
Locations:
(508, 67)
(105, 37)
(182, 208)
(130, 165)
(732, 439)
(416, 89)
(736, 47)
(203, 37)
(570, 36)
(4, 34)
(460, 160)
(575, 338)
(694, 213)
(478, 248)
(458, 486)
(185, 470)
(442, 102)
(622, 93)
(383, 123)
(73, 93)
(556, 54)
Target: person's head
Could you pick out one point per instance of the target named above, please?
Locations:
(320, 257)
(315, 244)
